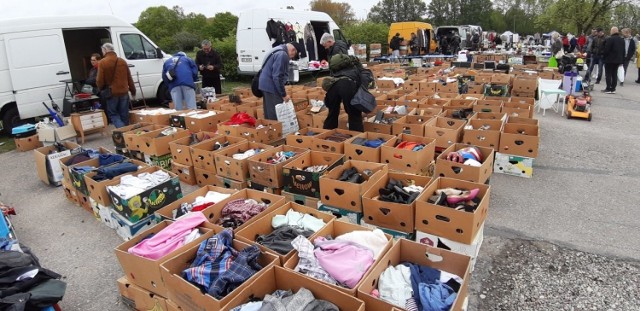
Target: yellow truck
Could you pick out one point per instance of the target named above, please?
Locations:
(406, 28)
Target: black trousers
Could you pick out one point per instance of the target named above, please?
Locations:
(342, 91)
(611, 75)
(212, 81)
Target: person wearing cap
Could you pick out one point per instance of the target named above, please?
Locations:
(333, 46)
(274, 75)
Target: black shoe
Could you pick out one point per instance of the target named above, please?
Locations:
(637, 81)
(605, 91)
(621, 83)
(597, 82)
(346, 175)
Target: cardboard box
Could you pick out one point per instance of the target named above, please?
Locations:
(279, 278)
(262, 226)
(445, 96)
(428, 112)
(395, 216)
(132, 138)
(428, 86)
(27, 143)
(321, 144)
(472, 250)
(65, 167)
(263, 188)
(185, 173)
(520, 139)
(97, 189)
(517, 109)
(270, 132)
(527, 121)
(304, 119)
(207, 121)
(342, 214)
(163, 161)
(177, 119)
(204, 177)
(145, 272)
(451, 87)
(490, 116)
(346, 195)
(413, 125)
(414, 162)
(159, 116)
(229, 183)
(304, 137)
(486, 105)
(459, 226)
(153, 144)
(485, 133)
(172, 306)
(496, 89)
(181, 147)
(409, 251)
(395, 234)
(188, 296)
(203, 154)
(437, 102)
(446, 168)
(84, 202)
(48, 165)
(297, 180)
(445, 131)
(127, 229)
(167, 211)
(335, 229)
(52, 134)
(105, 216)
(365, 153)
(228, 167)
(273, 201)
(142, 299)
(147, 202)
(525, 85)
(70, 193)
(300, 199)
(513, 165)
(262, 172)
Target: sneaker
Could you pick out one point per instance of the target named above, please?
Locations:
(605, 91)
(637, 81)
(610, 92)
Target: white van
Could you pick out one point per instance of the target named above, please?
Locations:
(253, 42)
(36, 54)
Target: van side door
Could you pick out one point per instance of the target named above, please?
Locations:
(140, 54)
(38, 63)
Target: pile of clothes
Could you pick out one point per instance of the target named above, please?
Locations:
(338, 137)
(286, 228)
(416, 287)
(171, 238)
(241, 155)
(241, 118)
(235, 213)
(371, 143)
(218, 268)
(109, 165)
(200, 203)
(342, 261)
(458, 199)
(397, 191)
(280, 157)
(286, 300)
(408, 145)
(130, 185)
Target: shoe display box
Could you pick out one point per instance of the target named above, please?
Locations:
(414, 162)
(513, 165)
(348, 195)
(238, 169)
(520, 139)
(446, 168)
(297, 180)
(365, 153)
(262, 172)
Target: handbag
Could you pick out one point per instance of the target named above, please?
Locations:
(621, 73)
(363, 101)
(106, 91)
(286, 114)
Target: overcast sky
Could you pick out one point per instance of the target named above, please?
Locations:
(129, 10)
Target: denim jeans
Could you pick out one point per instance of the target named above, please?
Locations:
(118, 110)
(183, 93)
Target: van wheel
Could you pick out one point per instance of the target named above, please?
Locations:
(11, 119)
(163, 96)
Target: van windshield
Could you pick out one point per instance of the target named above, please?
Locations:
(136, 46)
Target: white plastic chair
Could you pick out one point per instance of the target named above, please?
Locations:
(550, 95)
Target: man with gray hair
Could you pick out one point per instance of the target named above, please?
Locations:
(332, 46)
(114, 74)
(613, 57)
(209, 64)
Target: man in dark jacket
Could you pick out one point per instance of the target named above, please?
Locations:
(595, 52)
(209, 64)
(341, 87)
(113, 72)
(180, 74)
(613, 57)
(274, 75)
(332, 46)
(394, 45)
(629, 49)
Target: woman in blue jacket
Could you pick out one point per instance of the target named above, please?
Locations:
(180, 73)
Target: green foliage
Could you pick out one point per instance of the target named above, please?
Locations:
(195, 24)
(227, 49)
(627, 15)
(391, 11)
(577, 15)
(367, 32)
(159, 23)
(186, 41)
(221, 26)
(341, 12)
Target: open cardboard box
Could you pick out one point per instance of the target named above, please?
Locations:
(65, 167)
(415, 162)
(188, 296)
(365, 153)
(304, 139)
(516, 109)
(186, 173)
(346, 195)
(446, 168)
(203, 155)
(488, 137)
(204, 177)
(335, 229)
(408, 251)
(209, 123)
(527, 121)
(458, 103)
(48, 165)
(27, 143)
(410, 124)
(153, 144)
(459, 226)
(271, 131)
(395, 216)
(167, 211)
(133, 137)
(181, 147)
(264, 173)
(446, 131)
(382, 128)
(262, 226)
(298, 181)
(437, 102)
(139, 298)
(502, 117)
(177, 118)
(427, 111)
(227, 166)
(148, 201)
(145, 272)
(488, 105)
(213, 213)
(228, 183)
(448, 96)
(321, 144)
(520, 139)
(97, 189)
(279, 278)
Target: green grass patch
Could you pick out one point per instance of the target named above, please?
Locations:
(8, 144)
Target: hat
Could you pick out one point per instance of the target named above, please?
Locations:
(299, 47)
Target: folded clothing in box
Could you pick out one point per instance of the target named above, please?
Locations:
(131, 186)
(286, 228)
(200, 203)
(237, 212)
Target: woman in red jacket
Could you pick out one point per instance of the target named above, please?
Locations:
(582, 41)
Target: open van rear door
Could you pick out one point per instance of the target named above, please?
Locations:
(37, 63)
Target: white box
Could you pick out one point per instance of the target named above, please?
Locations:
(106, 217)
(513, 165)
(456, 247)
(53, 134)
(127, 230)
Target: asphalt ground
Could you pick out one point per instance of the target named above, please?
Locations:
(581, 200)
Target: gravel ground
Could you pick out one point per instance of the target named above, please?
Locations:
(516, 274)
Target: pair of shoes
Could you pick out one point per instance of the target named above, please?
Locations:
(621, 83)
(610, 92)
(637, 81)
(605, 91)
